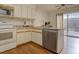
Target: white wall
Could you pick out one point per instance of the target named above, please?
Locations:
(40, 18)
(60, 21)
(52, 18)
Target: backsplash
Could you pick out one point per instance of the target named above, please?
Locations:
(13, 21)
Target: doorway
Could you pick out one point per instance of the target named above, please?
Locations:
(71, 32)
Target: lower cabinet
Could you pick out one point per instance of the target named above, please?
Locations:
(37, 37)
(23, 37)
(28, 36)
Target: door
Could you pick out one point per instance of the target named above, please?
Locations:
(71, 26)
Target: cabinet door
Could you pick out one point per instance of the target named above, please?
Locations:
(21, 38)
(33, 13)
(24, 11)
(28, 36)
(37, 38)
(17, 10)
(29, 12)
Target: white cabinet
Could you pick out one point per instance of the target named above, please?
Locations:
(33, 13)
(21, 38)
(28, 36)
(37, 38)
(24, 11)
(17, 11)
(29, 12)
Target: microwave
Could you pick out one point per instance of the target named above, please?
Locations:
(4, 12)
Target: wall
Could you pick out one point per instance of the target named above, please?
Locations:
(52, 18)
(52, 15)
(71, 10)
(60, 21)
(40, 18)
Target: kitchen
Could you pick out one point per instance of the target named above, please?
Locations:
(27, 26)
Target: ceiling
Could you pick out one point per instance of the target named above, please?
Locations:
(55, 7)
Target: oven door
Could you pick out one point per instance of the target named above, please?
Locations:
(6, 34)
(7, 39)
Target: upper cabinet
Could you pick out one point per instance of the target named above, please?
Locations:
(24, 10)
(33, 13)
(29, 12)
(17, 10)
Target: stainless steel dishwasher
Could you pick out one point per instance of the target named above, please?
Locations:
(53, 39)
